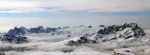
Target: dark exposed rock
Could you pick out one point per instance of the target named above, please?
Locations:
(39, 29)
(118, 53)
(82, 40)
(18, 31)
(67, 50)
(127, 31)
(89, 26)
(13, 39)
(127, 51)
(23, 30)
(101, 26)
(69, 36)
(115, 28)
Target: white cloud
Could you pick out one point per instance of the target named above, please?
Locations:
(10, 22)
(23, 6)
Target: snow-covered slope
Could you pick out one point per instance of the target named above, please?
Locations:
(70, 31)
(116, 33)
(78, 31)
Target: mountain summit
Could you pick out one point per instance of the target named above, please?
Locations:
(111, 33)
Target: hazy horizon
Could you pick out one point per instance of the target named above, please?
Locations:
(9, 23)
(54, 13)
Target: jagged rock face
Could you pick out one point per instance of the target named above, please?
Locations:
(18, 31)
(124, 31)
(23, 30)
(115, 28)
(13, 39)
(39, 29)
(81, 40)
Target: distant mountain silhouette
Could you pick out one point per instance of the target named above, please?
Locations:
(24, 30)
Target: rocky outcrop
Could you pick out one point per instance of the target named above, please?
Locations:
(13, 39)
(23, 30)
(18, 31)
(118, 53)
(115, 28)
(81, 40)
(124, 31)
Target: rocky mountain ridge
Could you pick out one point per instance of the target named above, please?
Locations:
(111, 33)
(23, 30)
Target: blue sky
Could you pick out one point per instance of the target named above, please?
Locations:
(53, 13)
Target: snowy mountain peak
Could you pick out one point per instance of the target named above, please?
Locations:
(111, 33)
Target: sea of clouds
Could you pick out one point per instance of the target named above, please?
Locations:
(46, 44)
